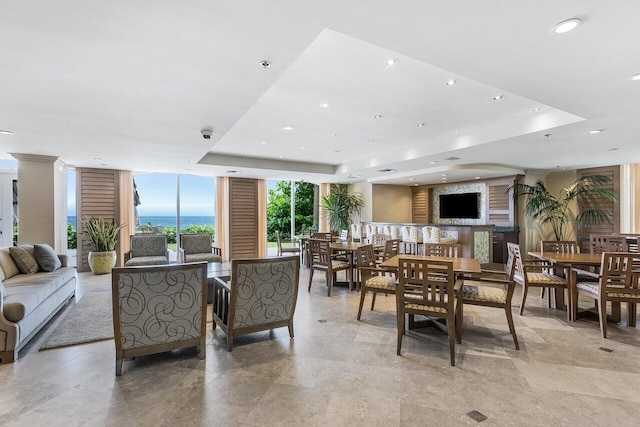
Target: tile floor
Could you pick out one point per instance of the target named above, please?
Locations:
(339, 371)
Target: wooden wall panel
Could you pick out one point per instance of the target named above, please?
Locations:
(420, 204)
(243, 218)
(610, 206)
(97, 194)
(501, 208)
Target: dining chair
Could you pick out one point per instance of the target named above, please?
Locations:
(322, 235)
(372, 277)
(196, 247)
(540, 278)
(557, 246)
(599, 243)
(356, 232)
(426, 287)
(392, 231)
(294, 249)
(391, 249)
(451, 250)
(492, 288)
(321, 259)
(618, 281)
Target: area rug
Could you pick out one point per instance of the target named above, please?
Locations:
(90, 320)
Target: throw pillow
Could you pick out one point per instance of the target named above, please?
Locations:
(24, 258)
(46, 257)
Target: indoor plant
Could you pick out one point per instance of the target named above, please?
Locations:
(103, 235)
(341, 207)
(556, 211)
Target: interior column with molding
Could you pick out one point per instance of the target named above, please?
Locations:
(42, 200)
(323, 222)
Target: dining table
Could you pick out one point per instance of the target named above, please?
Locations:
(349, 249)
(461, 266)
(568, 261)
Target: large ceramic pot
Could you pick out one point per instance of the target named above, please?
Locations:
(102, 262)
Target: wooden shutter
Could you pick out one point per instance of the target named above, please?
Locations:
(606, 205)
(500, 204)
(243, 218)
(97, 195)
(420, 205)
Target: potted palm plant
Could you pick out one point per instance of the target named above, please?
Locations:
(556, 212)
(103, 235)
(341, 207)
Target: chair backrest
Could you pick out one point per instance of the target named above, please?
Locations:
(370, 230)
(356, 231)
(392, 231)
(452, 250)
(263, 290)
(391, 248)
(150, 302)
(278, 240)
(559, 246)
(149, 245)
(607, 243)
(324, 236)
(426, 282)
(620, 275)
(378, 239)
(409, 233)
(319, 252)
(515, 256)
(196, 243)
(366, 257)
(430, 234)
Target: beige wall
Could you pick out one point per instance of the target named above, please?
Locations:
(391, 203)
(366, 189)
(42, 201)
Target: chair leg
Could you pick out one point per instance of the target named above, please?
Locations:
(512, 327)
(290, 328)
(229, 341)
(459, 317)
(400, 319)
(330, 279)
(310, 278)
(452, 340)
(524, 298)
(602, 312)
(363, 292)
(373, 300)
(118, 367)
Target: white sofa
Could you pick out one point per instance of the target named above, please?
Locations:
(29, 301)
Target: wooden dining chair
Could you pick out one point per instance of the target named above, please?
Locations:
(321, 259)
(372, 277)
(426, 287)
(451, 250)
(557, 246)
(618, 281)
(491, 289)
(391, 249)
(533, 274)
(600, 243)
(322, 235)
(294, 249)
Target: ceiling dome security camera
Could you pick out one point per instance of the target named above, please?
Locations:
(206, 133)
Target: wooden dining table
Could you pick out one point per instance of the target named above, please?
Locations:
(567, 261)
(350, 248)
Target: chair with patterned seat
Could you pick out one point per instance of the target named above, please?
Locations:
(525, 276)
(198, 247)
(373, 278)
(321, 259)
(491, 289)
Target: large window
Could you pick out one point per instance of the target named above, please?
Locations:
(280, 205)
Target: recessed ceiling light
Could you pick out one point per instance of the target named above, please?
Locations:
(498, 97)
(97, 159)
(377, 116)
(477, 177)
(566, 26)
(535, 109)
(595, 131)
(279, 157)
(420, 124)
(263, 142)
(287, 128)
(412, 179)
(415, 185)
(456, 131)
(333, 135)
(635, 77)
(433, 162)
(451, 82)
(393, 61)
(6, 132)
(302, 148)
(325, 105)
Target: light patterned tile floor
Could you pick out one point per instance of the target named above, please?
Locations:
(339, 372)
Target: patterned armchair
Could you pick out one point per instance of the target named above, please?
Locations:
(260, 295)
(197, 247)
(147, 249)
(159, 308)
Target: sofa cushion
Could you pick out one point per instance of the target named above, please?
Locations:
(9, 268)
(24, 258)
(24, 293)
(46, 257)
(146, 260)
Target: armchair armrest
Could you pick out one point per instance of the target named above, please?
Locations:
(216, 251)
(585, 273)
(180, 255)
(127, 256)
(64, 259)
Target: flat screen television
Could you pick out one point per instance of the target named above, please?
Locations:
(462, 205)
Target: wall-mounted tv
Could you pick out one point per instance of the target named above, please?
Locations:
(462, 205)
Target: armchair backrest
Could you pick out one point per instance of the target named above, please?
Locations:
(263, 291)
(319, 252)
(195, 243)
(559, 246)
(148, 245)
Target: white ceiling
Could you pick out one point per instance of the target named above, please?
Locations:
(129, 85)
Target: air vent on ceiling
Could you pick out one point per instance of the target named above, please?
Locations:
(452, 158)
(232, 172)
(386, 170)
